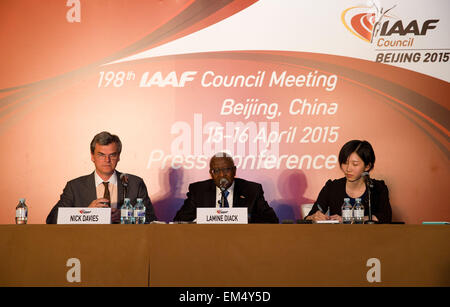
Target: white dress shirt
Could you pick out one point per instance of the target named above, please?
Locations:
(112, 186)
(229, 197)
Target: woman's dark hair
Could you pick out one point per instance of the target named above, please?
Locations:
(362, 148)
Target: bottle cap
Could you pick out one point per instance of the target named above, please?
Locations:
(138, 199)
(22, 200)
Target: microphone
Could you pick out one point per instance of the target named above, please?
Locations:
(124, 180)
(369, 183)
(223, 184)
(367, 179)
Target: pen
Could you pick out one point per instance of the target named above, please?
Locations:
(320, 208)
(323, 211)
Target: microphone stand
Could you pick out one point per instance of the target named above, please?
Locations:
(369, 186)
(124, 180)
(222, 186)
(222, 198)
(125, 191)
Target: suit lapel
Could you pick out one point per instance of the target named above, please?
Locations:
(210, 200)
(239, 199)
(119, 190)
(90, 188)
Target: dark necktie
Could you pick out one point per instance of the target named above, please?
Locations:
(225, 200)
(106, 194)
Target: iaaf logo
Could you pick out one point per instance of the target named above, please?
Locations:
(85, 211)
(372, 21)
(222, 211)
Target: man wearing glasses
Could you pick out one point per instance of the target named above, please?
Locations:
(237, 193)
(105, 187)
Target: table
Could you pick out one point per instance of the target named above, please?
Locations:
(225, 255)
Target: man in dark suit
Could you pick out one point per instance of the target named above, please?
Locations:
(241, 193)
(105, 187)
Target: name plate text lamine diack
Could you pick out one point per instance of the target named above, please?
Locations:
(222, 216)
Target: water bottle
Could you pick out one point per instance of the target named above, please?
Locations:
(21, 212)
(347, 214)
(126, 212)
(139, 211)
(358, 212)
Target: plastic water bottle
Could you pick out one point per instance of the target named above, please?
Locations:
(358, 212)
(139, 212)
(21, 212)
(347, 214)
(126, 212)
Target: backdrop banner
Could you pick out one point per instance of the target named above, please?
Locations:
(280, 85)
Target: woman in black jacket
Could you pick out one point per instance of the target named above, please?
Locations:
(355, 158)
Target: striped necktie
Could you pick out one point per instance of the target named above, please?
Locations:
(225, 195)
(106, 194)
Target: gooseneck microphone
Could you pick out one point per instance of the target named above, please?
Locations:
(124, 181)
(369, 185)
(367, 179)
(223, 186)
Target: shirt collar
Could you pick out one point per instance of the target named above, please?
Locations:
(230, 189)
(112, 179)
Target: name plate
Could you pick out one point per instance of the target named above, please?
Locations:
(84, 216)
(222, 216)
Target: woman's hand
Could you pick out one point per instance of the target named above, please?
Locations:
(336, 217)
(318, 216)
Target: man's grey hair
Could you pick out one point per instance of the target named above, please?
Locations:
(106, 138)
